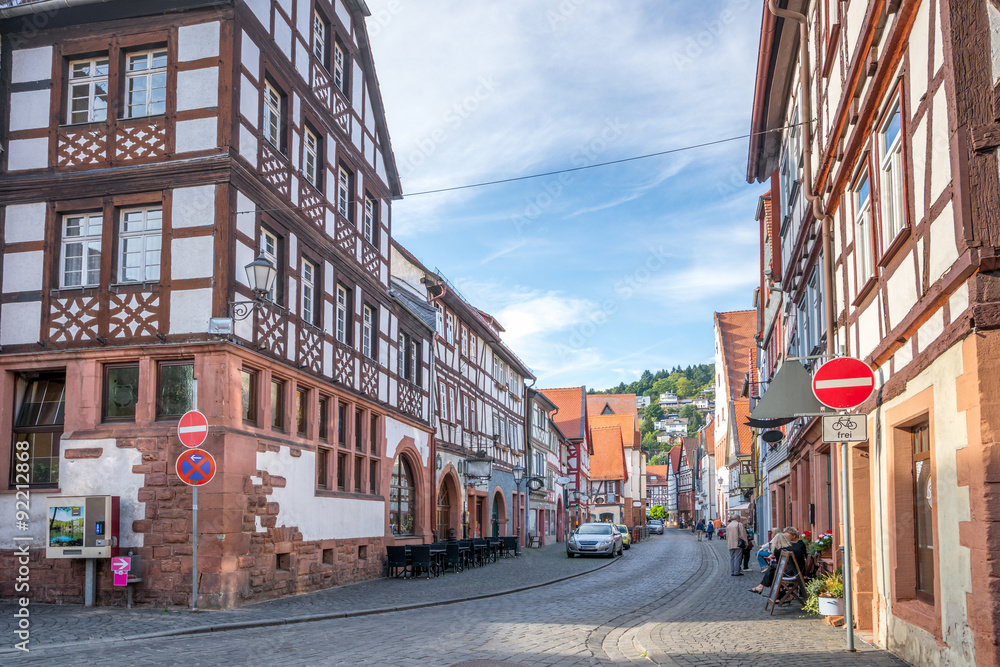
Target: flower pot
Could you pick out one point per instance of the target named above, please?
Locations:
(831, 606)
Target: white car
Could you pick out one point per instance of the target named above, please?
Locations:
(655, 526)
(595, 538)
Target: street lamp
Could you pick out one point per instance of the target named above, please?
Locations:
(260, 276)
(518, 473)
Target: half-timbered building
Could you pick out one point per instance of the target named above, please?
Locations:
(150, 152)
(625, 408)
(570, 416)
(876, 128)
(548, 453)
(608, 474)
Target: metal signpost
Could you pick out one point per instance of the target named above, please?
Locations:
(844, 383)
(195, 467)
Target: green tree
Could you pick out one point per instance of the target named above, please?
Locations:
(646, 426)
(649, 442)
(694, 417)
(657, 512)
(686, 387)
(654, 412)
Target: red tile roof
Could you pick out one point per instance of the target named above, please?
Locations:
(736, 330)
(675, 459)
(630, 436)
(744, 436)
(661, 473)
(572, 415)
(608, 461)
(620, 404)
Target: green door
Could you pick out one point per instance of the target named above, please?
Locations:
(496, 516)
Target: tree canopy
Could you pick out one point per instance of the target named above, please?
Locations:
(685, 382)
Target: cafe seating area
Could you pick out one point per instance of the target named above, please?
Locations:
(438, 558)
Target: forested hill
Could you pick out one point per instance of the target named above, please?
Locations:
(685, 382)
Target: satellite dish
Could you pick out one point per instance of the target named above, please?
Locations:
(772, 437)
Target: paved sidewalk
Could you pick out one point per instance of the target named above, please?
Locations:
(54, 625)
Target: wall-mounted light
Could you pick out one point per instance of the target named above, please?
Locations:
(261, 274)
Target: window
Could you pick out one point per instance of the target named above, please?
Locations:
(340, 66)
(465, 410)
(269, 248)
(311, 162)
(342, 424)
(341, 471)
(891, 178)
(301, 410)
(309, 310)
(343, 301)
(359, 462)
(923, 512)
(414, 362)
(465, 341)
(146, 84)
(248, 394)
(323, 417)
(371, 220)
(443, 400)
(321, 31)
(121, 392)
(499, 371)
(373, 435)
(539, 470)
(439, 320)
(37, 430)
(278, 404)
(367, 332)
(176, 390)
(401, 356)
(274, 115)
(450, 330)
(88, 90)
(345, 181)
(139, 244)
(373, 477)
(863, 231)
(322, 468)
(452, 404)
(359, 430)
(81, 250)
(402, 498)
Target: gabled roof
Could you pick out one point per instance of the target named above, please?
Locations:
(661, 472)
(675, 459)
(736, 331)
(608, 461)
(744, 436)
(626, 423)
(571, 417)
(691, 450)
(417, 307)
(620, 404)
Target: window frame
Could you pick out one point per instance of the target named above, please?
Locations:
(323, 418)
(369, 332)
(312, 156)
(922, 432)
(160, 365)
(86, 241)
(341, 61)
(308, 312)
(320, 38)
(91, 81)
(250, 412)
(395, 498)
(276, 104)
(892, 174)
(54, 429)
(105, 387)
(342, 331)
(370, 226)
(345, 191)
(302, 411)
(274, 254)
(277, 421)
(862, 216)
(146, 234)
(148, 74)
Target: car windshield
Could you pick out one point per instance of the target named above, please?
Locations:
(621, 528)
(595, 530)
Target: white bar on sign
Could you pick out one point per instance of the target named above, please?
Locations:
(191, 429)
(845, 382)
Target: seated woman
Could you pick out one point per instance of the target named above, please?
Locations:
(778, 544)
(798, 548)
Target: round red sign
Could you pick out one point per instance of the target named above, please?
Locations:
(192, 429)
(843, 383)
(195, 467)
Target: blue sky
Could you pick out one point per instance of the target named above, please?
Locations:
(596, 274)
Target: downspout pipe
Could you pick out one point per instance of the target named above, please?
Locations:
(814, 199)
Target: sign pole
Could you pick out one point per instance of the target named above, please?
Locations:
(848, 610)
(194, 518)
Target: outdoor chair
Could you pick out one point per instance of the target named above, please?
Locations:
(511, 547)
(396, 561)
(421, 561)
(453, 558)
(469, 553)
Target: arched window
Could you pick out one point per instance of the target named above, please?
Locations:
(444, 511)
(402, 498)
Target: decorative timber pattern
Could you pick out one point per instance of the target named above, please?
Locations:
(310, 348)
(344, 236)
(271, 330)
(342, 112)
(410, 400)
(133, 314)
(343, 365)
(371, 261)
(321, 83)
(74, 318)
(140, 142)
(274, 170)
(80, 148)
(312, 204)
(369, 378)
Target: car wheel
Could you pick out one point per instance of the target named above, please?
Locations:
(569, 555)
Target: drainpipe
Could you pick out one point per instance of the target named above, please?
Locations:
(827, 222)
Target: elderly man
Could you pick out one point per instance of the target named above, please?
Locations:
(736, 540)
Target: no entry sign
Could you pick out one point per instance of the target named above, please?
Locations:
(195, 467)
(843, 383)
(192, 429)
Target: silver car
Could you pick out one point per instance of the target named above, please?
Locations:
(595, 538)
(655, 526)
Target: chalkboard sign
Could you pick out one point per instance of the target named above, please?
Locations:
(785, 569)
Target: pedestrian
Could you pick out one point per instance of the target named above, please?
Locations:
(700, 529)
(748, 548)
(709, 529)
(736, 539)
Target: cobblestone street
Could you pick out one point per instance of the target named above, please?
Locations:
(669, 601)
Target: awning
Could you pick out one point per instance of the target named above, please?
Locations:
(740, 506)
(789, 394)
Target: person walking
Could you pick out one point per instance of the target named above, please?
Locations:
(747, 548)
(700, 529)
(709, 529)
(736, 539)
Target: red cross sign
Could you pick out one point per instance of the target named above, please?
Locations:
(195, 467)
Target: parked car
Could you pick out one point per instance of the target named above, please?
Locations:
(655, 526)
(626, 536)
(595, 538)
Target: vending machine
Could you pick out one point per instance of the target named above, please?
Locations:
(82, 527)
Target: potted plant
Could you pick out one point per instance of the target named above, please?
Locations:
(821, 543)
(826, 594)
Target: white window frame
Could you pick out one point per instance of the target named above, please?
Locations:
(320, 32)
(342, 310)
(465, 410)
(465, 341)
(308, 291)
(370, 224)
(310, 156)
(273, 125)
(367, 331)
(439, 320)
(95, 113)
(344, 191)
(414, 361)
(449, 332)
(269, 249)
(864, 260)
(893, 208)
(401, 353)
(150, 239)
(153, 79)
(89, 240)
(339, 67)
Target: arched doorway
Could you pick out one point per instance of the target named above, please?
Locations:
(496, 516)
(402, 498)
(499, 524)
(443, 511)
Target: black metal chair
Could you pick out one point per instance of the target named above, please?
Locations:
(511, 548)
(420, 560)
(453, 558)
(468, 553)
(396, 561)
